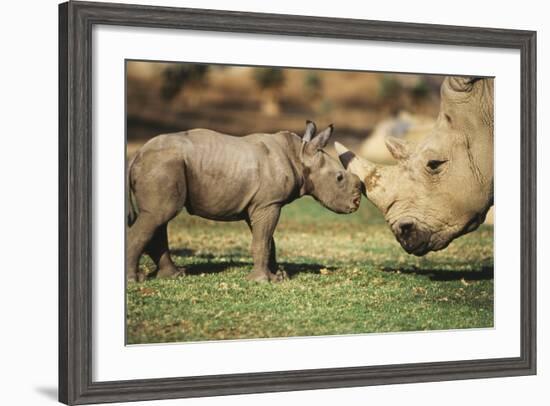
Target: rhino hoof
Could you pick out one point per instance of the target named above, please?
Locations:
(258, 276)
(171, 273)
(136, 277)
(267, 276)
(280, 276)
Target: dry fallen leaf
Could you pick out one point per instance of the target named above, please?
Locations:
(146, 291)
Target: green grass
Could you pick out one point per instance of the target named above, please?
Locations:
(347, 275)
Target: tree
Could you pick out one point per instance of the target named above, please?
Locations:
(176, 77)
(270, 82)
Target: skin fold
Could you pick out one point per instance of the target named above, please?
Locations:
(226, 178)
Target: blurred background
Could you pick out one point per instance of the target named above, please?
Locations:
(167, 97)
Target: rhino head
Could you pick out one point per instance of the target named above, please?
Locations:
(324, 178)
(442, 187)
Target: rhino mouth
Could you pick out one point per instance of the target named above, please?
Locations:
(419, 250)
(342, 207)
(412, 236)
(355, 202)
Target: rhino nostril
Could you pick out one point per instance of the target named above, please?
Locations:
(412, 237)
(405, 227)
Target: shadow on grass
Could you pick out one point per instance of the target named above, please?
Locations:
(184, 252)
(210, 267)
(486, 273)
(293, 269)
(213, 267)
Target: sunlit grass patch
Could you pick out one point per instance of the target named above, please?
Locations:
(347, 273)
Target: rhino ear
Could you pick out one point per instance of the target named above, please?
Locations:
(311, 128)
(321, 140)
(462, 84)
(398, 148)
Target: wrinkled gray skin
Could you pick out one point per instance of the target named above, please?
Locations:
(441, 188)
(226, 178)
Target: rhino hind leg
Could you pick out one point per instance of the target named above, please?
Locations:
(139, 235)
(160, 194)
(159, 252)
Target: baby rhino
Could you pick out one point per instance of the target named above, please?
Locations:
(226, 178)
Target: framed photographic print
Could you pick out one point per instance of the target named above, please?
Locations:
(257, 202)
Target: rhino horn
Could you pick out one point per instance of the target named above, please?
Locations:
(356, 165)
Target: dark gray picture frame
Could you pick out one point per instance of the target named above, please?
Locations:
(76, 20)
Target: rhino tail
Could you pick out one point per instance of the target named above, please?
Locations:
(130, 205)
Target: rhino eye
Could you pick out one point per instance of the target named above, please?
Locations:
(435, 164)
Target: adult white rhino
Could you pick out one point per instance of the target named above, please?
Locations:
(442, 187)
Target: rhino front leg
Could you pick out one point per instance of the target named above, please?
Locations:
(272, 265)
(262, 223)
